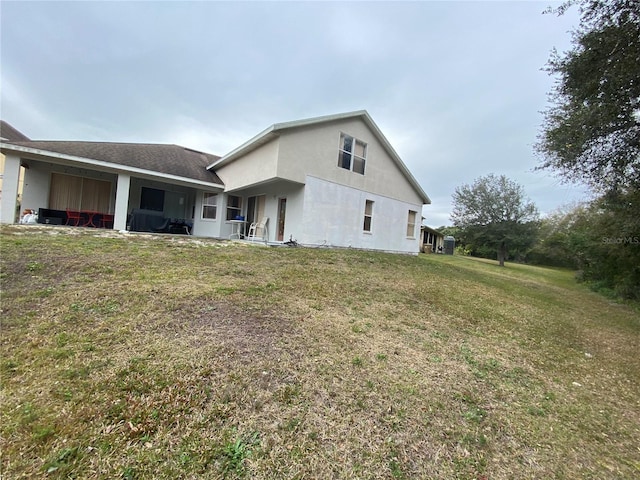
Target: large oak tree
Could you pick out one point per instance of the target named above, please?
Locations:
(591, 132)
(591, 135)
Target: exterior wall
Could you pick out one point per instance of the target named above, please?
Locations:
(35, 192)
(204, 227)
(257, 166)
(11, 177)
(334, 216)
(2, 173)
(173, 193)
(272, 192)
(314, 151)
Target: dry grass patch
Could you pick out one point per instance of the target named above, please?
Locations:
(145, 357)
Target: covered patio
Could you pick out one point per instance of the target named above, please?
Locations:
(142, 187)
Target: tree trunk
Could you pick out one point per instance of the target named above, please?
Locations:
(502, 253)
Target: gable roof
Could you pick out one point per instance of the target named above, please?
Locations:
(274, 131)
(7, 132)
(171, 160)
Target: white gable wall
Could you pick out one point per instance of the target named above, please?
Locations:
(314, 150)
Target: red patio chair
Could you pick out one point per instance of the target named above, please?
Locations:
(73, 215)
(107, 219)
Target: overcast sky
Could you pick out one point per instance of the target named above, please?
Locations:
(456, 87)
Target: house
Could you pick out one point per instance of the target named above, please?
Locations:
(431, 241)
(333, 180)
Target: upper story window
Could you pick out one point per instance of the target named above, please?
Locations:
(234, 207)
(209, 205)
(352, 154)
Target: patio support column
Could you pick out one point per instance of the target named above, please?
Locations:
(10, 180)
(122, 202)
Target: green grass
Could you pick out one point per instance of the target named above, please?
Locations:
(171, 357)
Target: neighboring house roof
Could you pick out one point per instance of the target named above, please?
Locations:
(165, 159)
(274, 131)
(431, 230)
(7, 132)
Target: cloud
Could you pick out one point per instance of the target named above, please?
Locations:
(455, 86)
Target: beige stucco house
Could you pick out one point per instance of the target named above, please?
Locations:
(432, 241)
(332, 180)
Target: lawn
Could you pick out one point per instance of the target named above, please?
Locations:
(133, 356)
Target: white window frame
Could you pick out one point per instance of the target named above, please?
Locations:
(207, 204)
(232, 211)
(411, 224)
(351, 155)
(368, 215)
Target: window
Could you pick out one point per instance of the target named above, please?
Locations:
(352, 155)
(411, 224)
(234, 207)
(152, 199)
(79, 193)
(209, 205)
(255, 208)
(368, 213)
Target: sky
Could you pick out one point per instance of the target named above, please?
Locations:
(456, 87)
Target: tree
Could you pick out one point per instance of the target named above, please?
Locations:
(494, 212)
(558, 236)
(591, 132)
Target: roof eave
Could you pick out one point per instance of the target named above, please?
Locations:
(108, 166)
(260, 139)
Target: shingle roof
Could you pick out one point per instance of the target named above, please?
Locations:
(168, 159)
(7, 132)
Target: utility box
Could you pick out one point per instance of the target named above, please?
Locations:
(449, 245)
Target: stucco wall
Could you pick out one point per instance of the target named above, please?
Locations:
(35, 190)
(257, 166)
(204, 227)
(314, 151)
(273, 192)
(11, 177)
(334, 216)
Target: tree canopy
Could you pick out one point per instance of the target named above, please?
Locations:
(591, 132)
(494, 212)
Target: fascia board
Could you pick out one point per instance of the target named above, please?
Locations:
(246, 147)
(317, 120)
(108, 166)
